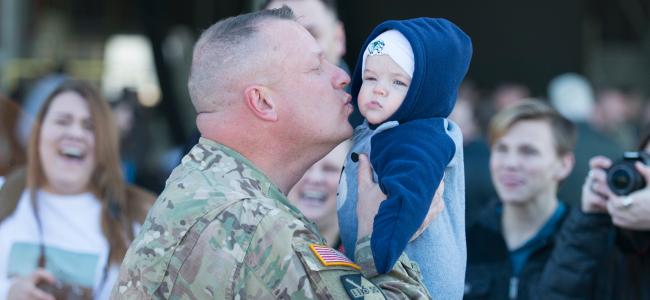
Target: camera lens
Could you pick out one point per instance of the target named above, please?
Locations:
(623, 178)
(620, 179)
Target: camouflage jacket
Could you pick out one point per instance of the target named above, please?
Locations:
(222, 230)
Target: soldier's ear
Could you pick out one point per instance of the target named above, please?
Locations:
(259, 101)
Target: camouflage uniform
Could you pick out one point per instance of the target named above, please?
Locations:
(222, 230)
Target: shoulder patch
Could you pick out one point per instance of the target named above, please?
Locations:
(358, 287)
(330, 257)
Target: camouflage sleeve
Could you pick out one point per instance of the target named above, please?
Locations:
(403, 281)
(289, 261)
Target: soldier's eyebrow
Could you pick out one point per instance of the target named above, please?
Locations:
(316, 61)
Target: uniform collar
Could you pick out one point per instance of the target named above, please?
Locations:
(266, 186)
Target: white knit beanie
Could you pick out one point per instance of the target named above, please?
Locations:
(394, 44)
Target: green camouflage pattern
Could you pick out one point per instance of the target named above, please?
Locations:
(222, 230)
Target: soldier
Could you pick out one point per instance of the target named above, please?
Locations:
(269, 106)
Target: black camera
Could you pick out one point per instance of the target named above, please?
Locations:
(622, 176)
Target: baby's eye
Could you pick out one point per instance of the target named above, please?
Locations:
(371, 78)
(399, 82)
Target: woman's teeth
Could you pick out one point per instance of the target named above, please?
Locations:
(72, 152)
(314, 196)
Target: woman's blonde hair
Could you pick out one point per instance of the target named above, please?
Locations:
(107, 182)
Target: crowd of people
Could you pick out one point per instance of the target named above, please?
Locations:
(311, 182)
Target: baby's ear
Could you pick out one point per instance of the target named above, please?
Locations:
(259, 101)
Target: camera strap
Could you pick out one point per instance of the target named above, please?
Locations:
(41, 246)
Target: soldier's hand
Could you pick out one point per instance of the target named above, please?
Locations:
(437, 205)
(369, 197)
(25, 287)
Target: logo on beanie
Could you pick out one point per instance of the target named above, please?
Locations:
(376, 47)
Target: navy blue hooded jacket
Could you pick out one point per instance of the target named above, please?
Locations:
(410, 159)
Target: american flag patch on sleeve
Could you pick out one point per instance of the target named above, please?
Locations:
(330, 257)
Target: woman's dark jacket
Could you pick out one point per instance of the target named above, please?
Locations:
(595, 260)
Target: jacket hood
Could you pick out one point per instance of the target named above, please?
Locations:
(442, 53)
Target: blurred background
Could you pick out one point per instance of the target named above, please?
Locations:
(138, 52)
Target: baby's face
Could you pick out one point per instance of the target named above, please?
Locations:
(383, 89)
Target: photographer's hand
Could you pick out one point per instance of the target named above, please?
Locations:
(632, 211)
(25, 287)
(595, 191)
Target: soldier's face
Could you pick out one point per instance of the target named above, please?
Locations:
(309, 90)
(315, 193)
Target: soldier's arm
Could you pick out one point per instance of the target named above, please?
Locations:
(287, 259)
(331, 276)
(403, 281)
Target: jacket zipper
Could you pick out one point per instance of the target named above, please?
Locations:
(514, 286)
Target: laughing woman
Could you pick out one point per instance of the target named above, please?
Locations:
(65, 234)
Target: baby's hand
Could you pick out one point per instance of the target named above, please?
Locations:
(437, 205)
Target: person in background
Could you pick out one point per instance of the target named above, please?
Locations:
(509, 93)
(469, 114)
(572, 96)
(315, 194)
(511, 241)
(134, 136)
(320, 18)
(603, 250)
(12, 154)
(613, 115)
(66, 222)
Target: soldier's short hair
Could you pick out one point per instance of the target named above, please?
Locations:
(223, 47)
(563, 130)
(330, 5)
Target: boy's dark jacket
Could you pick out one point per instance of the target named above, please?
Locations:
(489, 272)
(410, 159)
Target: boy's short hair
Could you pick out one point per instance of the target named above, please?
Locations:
(563, 130)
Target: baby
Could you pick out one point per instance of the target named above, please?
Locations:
(405, 86)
